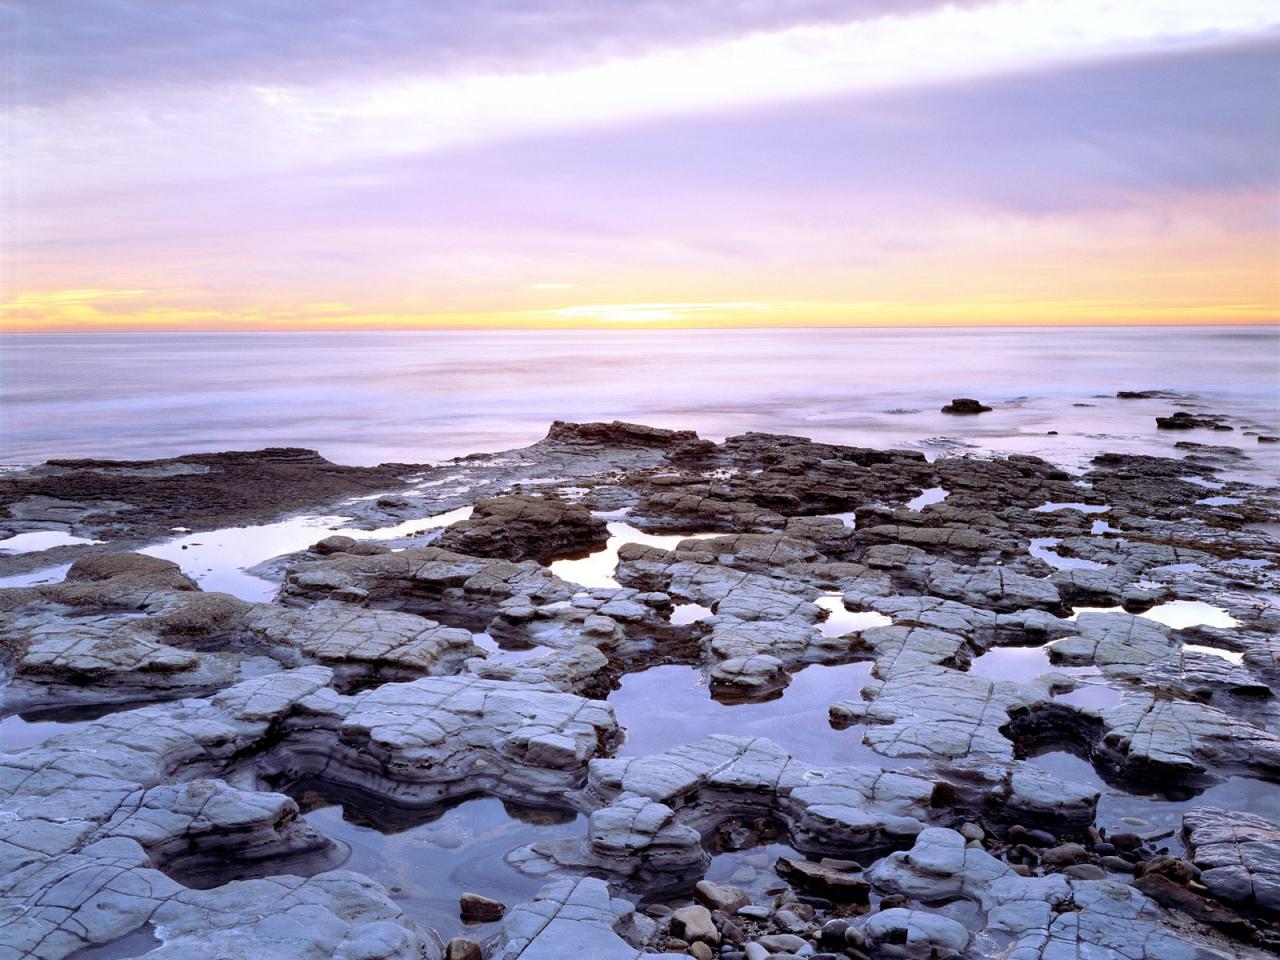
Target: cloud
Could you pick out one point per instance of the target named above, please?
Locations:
(688, 173)
(196, 133)
(69, 49)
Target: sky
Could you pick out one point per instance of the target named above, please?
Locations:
(322, 164)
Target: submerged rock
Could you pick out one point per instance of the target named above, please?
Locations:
(473, 908)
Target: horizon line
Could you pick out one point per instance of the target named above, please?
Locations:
(623, 327)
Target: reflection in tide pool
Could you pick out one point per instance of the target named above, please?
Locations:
(219, 560)
(931, 495)
(1096, 695)
(506, 652)
(1042, 548)
(1191, 613)
(1232, 656)
(20, 731)
(1219, 501)
(683, 614)
(597, 569)
(41, 540)
(137, 944)
(1119, 811)
(1177, 614)
(841, 620)
(19, 734)
(32, 577)
(428, 860)
(1021, 664)
(1052, 507)
(670, 706)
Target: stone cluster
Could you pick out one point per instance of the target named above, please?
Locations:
(456, 661)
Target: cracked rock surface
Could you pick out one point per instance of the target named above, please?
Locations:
(1042, 734)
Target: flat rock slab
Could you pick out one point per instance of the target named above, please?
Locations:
(569, 919)
(1238, 855)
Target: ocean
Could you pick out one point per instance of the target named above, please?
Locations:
(424, 396)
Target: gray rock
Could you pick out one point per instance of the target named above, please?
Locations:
(694, 924)
(715, 896)
(570, 918)
(1238, 855)
(922, 934)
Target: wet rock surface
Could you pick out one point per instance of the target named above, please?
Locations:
(995, 611)
(144, 499)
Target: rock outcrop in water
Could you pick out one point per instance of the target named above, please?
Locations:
(965, 405)
(424, 668)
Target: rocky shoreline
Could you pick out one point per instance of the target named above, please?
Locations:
(1003, 611)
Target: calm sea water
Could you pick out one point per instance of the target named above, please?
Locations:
(419, 396)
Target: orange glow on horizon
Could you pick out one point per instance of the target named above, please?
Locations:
(796, 315)
(1091, 269)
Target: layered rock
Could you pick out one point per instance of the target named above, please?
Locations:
(1238, 855)
(526, 528)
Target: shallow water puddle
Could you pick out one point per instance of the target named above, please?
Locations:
(841, 620)
(19, 734)
(597, 569)
(931, 495)
(18, 731)
(410, 528)
(848, 518)
(219, 560)
(685, 613)
(1219, 502)
(1053, 507)
(1169, 569)
(36, 540)
(136, 944)
(1191, 613)
(670, 706)
(751, 869)
(1076, 611)
(1100, 527)
(1042, 548)
(1119, 811)
(428, 860)
(1176, 614)
(1020, 664)
(1232, 656)
(1204, 482)
(33, 577)
(1097, 695)
(496, 652)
